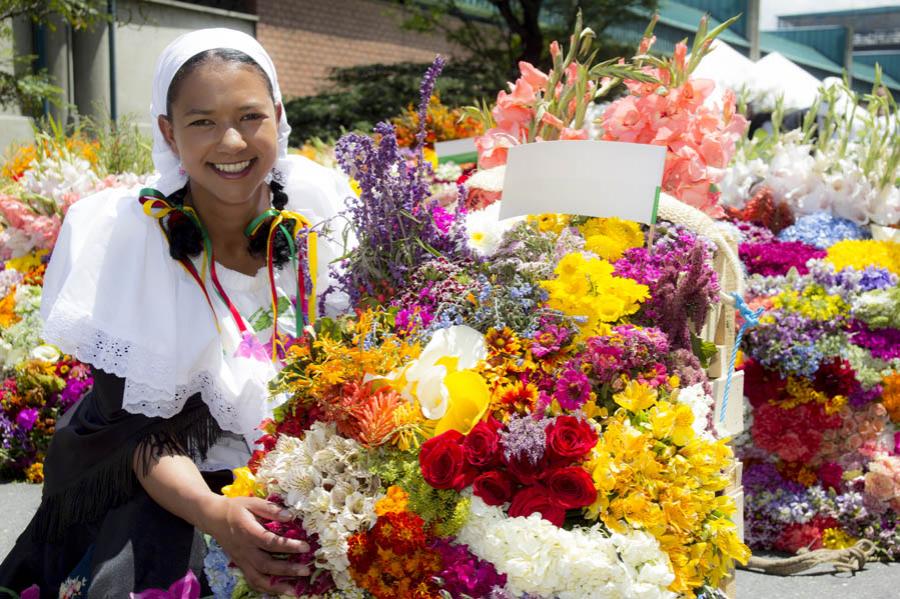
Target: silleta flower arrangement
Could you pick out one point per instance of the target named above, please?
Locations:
(821, 463)
(39, 182)
(513, 411)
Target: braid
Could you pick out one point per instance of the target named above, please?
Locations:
(282, 250)
(185, 239)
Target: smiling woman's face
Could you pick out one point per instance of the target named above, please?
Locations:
(223, 125)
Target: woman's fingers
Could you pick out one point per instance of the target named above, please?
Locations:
(266, 564)
(263, 584)
(273, 543)
(268, 510)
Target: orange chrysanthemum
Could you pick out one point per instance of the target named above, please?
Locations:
(891, 396)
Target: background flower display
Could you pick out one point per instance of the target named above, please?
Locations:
(40, 182)
(512, 410)
(820, 459)
(843, 161)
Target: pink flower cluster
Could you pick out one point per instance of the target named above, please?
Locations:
(883, 480)
(41, 230)
(515, 114)
(700, 138)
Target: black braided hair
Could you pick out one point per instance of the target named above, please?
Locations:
(186, 239)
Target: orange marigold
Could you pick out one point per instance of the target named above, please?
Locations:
(891, 396)
(8, 317)
(395, 501)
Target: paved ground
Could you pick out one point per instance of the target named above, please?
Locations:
(878, 581)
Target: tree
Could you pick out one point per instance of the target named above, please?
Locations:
(500, 33)
(19, 84)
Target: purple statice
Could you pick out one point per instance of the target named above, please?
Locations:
(463, 574)
(6, 433)
(764, 476)
(392, 217)
(872, 278)
(524, 437)
(74, 390)
(823, 230)
(883, 344)
(778, 257)
(753, 233)
(572, 389)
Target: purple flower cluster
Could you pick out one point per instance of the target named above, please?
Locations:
(572, 390)
(628, 350)
(778, 257)
(394, 222)
(463, 574)
(524, 437)
(682, 284)
(74, 390)
(788, 342)
(550, 339)
(884, 344)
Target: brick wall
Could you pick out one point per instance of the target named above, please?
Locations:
(306, 38)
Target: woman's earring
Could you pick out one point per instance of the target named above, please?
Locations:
(181, 170)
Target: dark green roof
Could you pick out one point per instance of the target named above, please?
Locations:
(850, 12)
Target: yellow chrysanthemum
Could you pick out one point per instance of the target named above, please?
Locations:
(859, 254)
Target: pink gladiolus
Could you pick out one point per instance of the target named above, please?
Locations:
(534, 76)
(549, 119)
(493, 147)
(679, 55)
(569, 133)
(646, 44)
(554, 49)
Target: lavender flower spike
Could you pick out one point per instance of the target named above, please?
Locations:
(426, 90)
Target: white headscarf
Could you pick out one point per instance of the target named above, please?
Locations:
(185, 47)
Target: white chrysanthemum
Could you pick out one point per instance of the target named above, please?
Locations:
(543, 559)
(485, 230)
(701, 404)
(324, 482)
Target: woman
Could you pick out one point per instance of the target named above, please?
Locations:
(183, 299)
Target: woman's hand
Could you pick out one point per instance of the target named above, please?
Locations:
(233, 522)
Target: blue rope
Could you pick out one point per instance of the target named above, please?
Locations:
(751, 319)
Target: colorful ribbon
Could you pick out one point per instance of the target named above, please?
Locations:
(157, 206)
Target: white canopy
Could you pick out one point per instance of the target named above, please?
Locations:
(727, 67)
(774, 76)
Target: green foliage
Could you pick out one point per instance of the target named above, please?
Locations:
(446, 508)
(359, 97)
(123, 148)
(523, 28)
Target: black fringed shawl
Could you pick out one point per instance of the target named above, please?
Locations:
(90, 465)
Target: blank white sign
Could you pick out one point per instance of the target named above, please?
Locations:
(588, 178)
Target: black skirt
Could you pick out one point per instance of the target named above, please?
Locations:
(96, 528)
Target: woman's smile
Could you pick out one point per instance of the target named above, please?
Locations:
(233, 170)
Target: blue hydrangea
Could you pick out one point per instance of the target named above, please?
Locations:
(823, 230)
(218, 574)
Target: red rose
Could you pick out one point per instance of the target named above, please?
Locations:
(537, 499)
(482, 444)
(571, 487)
(443, 462)
(569, 439)
(494, 488)
(524, 470)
